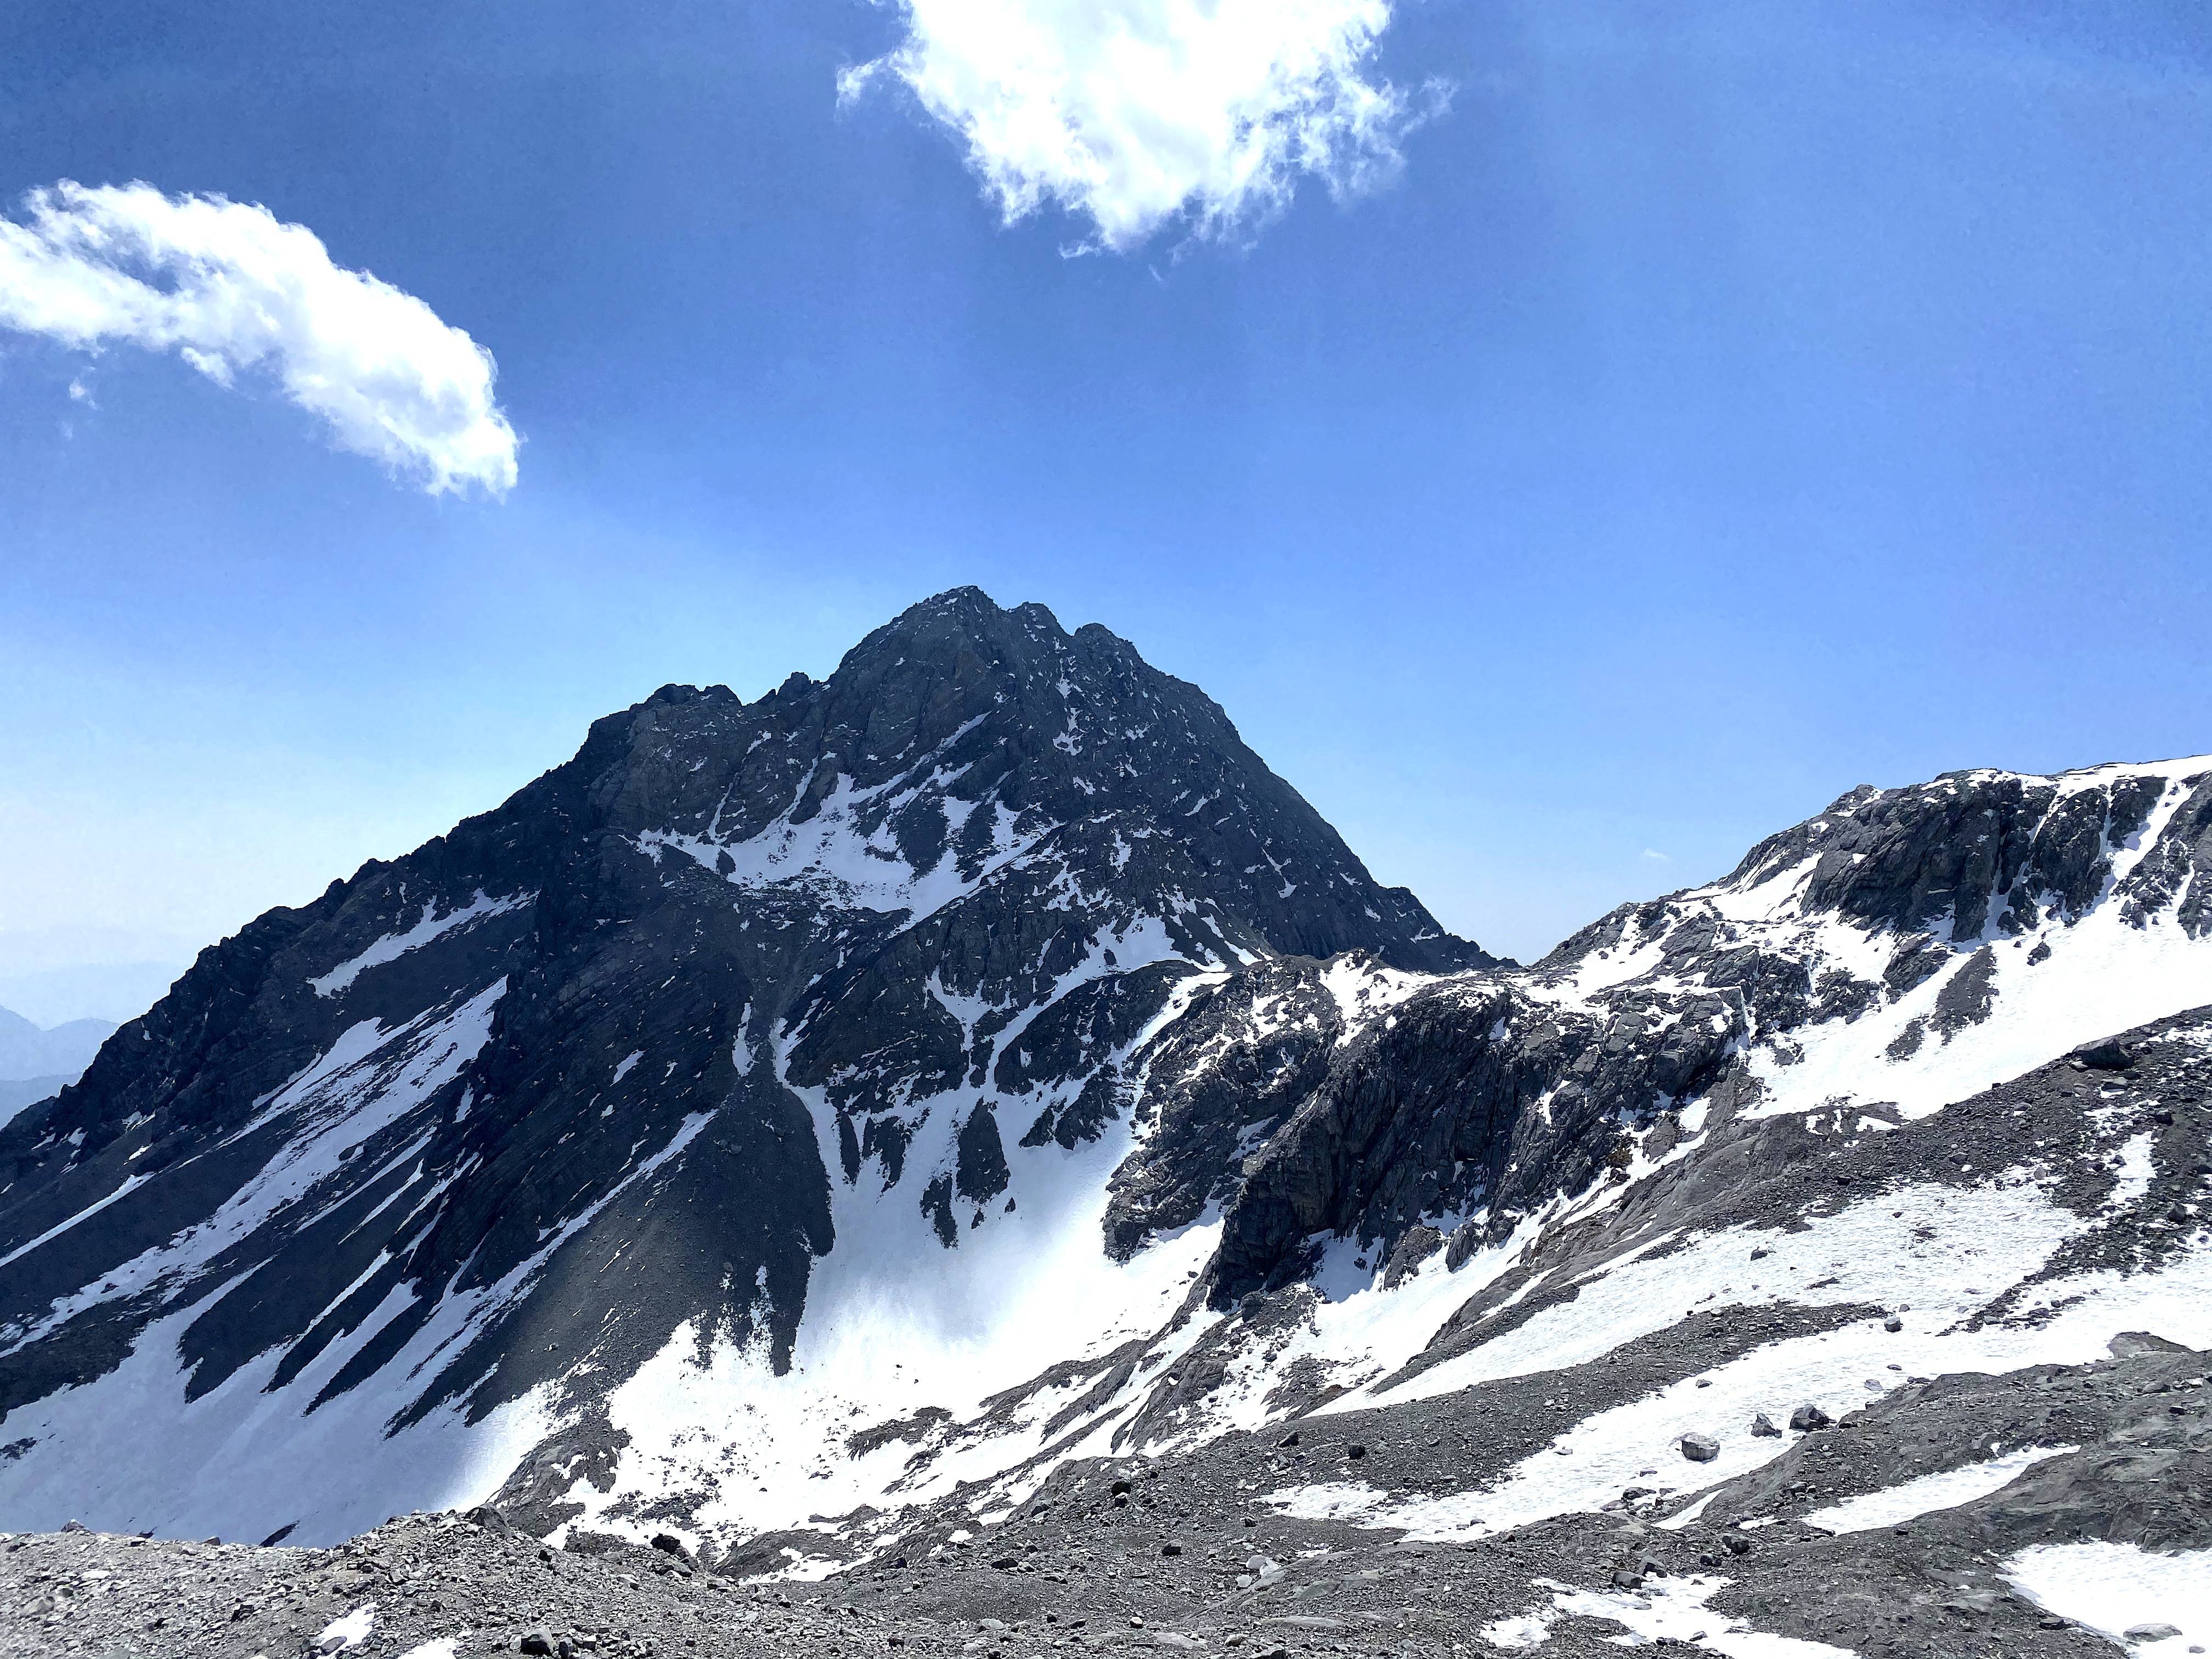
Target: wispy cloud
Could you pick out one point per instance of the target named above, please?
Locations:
(1135, 113)
(233, 292)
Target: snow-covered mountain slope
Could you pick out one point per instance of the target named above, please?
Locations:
(750, 1018)
(874, 1102)
(1365, 1190)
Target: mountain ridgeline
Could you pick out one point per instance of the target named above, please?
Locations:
(881, 1094)
(581, 1040)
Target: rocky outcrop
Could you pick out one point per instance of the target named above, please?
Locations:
(1304, 1120)
(1973, 851)
(1312, 1102)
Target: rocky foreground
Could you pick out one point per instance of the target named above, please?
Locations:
(1179, 1553)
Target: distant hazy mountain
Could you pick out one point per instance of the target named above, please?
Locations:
(53, 1057)
(16, 1093)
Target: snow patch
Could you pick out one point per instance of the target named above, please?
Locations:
(1943, 1262)
(2116, 1588)
(831, 858)
(432, 926)
(1666, 1610)
(1945, 1489)
(349, 1631)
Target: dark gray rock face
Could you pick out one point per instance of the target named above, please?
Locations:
(1313, 1100)
(1974, 848)
(598, 1056)
(982, 1174)
(1467, 1094)
(1966, 997)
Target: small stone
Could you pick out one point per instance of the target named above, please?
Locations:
(1701, 1448)
(1355, 1450)
(1806, 1419)
(536, 1641)
(2153, 1633)
(1763, 1426)
(1892, 1323)
(1171, 1548)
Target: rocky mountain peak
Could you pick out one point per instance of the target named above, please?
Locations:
(849, 972)
(960, 731)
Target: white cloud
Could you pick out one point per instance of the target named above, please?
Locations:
(231, 291)
(1137, 112)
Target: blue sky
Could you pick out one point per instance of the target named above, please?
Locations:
(1723, 404)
